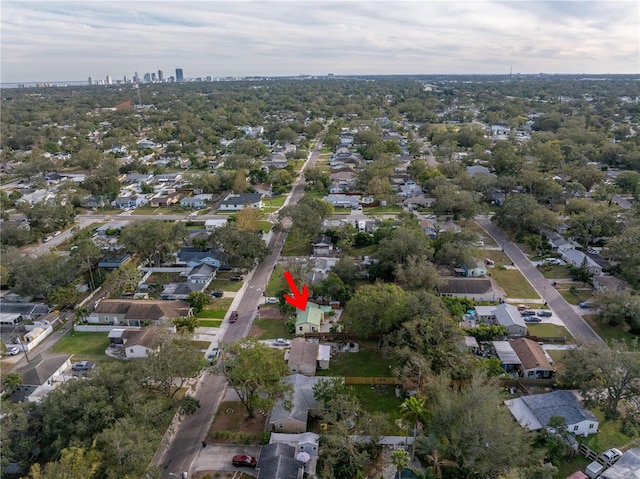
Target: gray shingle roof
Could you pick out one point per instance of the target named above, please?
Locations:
(558, 403)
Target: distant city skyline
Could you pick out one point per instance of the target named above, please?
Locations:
(74, 40)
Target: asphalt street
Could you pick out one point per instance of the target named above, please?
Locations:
(577, 326)
(183, 447)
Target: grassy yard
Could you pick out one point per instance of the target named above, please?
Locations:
(209, 323)
(575, 296)
(552, 271)
(217, 309)
(381, 398)
(548, 330)
(382, 210)
(83, 345)
(606, 332)
(368, 362)
(271, 328)
(276, 281)
(274, 202)
(476, 228)
(558, 356)
(566, 468)
(497, 256)
(514, 284)
(609, 434)
(296, 244)
(225, 284)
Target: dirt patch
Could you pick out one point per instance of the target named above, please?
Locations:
(233, 425)
(271, 312)
(256, 331)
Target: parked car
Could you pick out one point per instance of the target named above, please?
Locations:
(528, 312)
(233, 317)
(217, 293)
(236, 277)
(555, 261)
(545, 313)
(213, 355)
(281, 342)
(532, 319)
(522, 307)
(13, 350)
(611, 455)
(271, 300)
(585, 304)
(82, 366)
(242, 460)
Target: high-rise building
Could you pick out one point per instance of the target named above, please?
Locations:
(160, 76)
(125, 80)
(153, 76)
(179, 74)
(136, 78)
(147, 77)
(108, 79)
(90, 81)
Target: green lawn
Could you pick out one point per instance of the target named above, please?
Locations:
(274, 201)
(83, 345)
(577, 297)
(364, 251)
(296, 244)
(276, 281)
(566, 468)
(497, 256)
(382, 399)
(225, 284)
(548, 330)
(217, 309)
(552, 271)
(514, 284)
(209, 323)
(382, 210)
(368, 362)
(201, 344)
(265, 226)
(609, 434)
(272, 328)
(606, 332)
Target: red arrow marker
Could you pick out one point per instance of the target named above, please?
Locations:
(298, 300)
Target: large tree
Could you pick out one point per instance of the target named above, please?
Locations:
(153, 239)
(242, 248)
(255, 371)
(607, 375)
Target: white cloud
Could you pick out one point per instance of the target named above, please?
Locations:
(72, 40)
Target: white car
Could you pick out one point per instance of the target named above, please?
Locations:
(611, 455)
(13, 350)
(281, 342)
(271, 300)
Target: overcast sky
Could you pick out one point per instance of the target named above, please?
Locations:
(57, 41)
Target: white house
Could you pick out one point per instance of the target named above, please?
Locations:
(238, 202)
(197, 201)
(534, 412)
(344, 201)
(579, 259)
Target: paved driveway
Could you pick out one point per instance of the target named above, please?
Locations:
(217, 457)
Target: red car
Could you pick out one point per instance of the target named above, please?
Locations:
(242, 460)
(233, 317)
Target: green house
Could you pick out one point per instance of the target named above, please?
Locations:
(310, 320)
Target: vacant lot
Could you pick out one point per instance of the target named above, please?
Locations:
(514, 284)
(232, 425)
(367, 362)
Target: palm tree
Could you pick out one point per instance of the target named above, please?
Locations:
(437, 463)
(400, 459)
(413, 411)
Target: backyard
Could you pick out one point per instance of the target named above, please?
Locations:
(367, 362)
(86, 346)
(217, 309)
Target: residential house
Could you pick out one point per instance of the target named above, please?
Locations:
(606, 283)
(309, 320)
(476, 269)
(322, 246)
(28, 311)
(277, 460)
(558, 243)
(237, 202)
(534, 412)
(343, 201)
(477, 289)
(138, 179)
(40, 376)
(165, 198)
(118, 312)
(191, 257)
(197, 201)
(290, 414)
(147, 144)
(308, 442)
(130, 343)
(579, 259)
(320, 268)
(113, 259)
(168, 178)
(306, 356)
(173, 291)
(505, 315)
(478, 170)
(430, 228)
(202, 274)
(524, 357)
(125, 202)
(210, 225)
